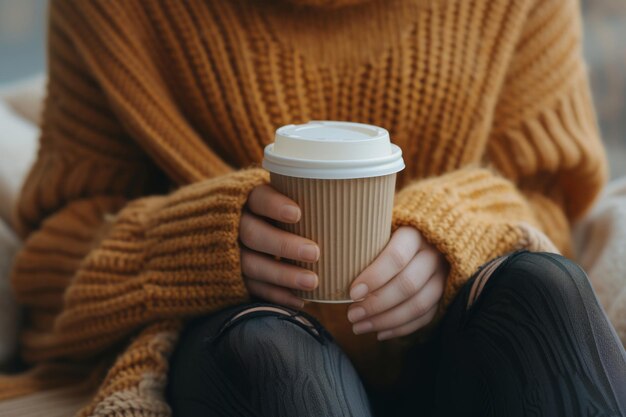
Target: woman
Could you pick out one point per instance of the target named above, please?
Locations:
(146, 207)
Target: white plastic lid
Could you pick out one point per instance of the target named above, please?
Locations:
(332, 150)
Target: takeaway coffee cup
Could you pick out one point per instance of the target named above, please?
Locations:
(342, 175)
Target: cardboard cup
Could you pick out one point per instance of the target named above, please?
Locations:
(350, 221)
(343, 176)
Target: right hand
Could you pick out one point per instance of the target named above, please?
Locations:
(264, 276)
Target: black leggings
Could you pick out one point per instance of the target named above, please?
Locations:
(534, 343)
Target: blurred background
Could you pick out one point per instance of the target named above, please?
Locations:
(22, 55)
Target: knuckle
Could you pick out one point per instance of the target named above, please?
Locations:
(273, 198)
(383, 323)
(247, 230)
(419, 308)
(408, 283)
(372, 304)
(376, 325)
(254, 268)
(284, 277)
(284, 248)
(398, 257)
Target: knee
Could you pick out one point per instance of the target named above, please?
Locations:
(250, 339)
(269, 356)
(238, 342)
(544, 273)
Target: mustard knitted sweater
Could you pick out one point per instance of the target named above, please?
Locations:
(155, 121)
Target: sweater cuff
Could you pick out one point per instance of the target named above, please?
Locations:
(194, 237)
(470, 215)
(165, 256)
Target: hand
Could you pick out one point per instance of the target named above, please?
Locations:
(401, 289)
(264, 276)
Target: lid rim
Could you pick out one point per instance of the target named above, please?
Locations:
(328, 149)
(334, 169)
(396, 152)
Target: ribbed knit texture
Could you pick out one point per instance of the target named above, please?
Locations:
(327, 3)
(131, 211)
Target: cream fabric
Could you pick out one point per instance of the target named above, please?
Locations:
(19, 110)
(601, 242)
(62, 402)
(20, 106)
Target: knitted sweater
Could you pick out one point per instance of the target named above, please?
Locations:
(155, 121)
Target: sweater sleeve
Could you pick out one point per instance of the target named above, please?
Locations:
(108, 247)
(543, 165)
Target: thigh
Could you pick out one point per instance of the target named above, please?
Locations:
(261, 359)
(430, 361)
(530, 338)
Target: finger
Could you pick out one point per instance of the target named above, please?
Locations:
(401, 248)
(267, 202)
(264, 268)
(421, 304)
(273, 293)
(403, 286)
(407, 328)
(259, 235)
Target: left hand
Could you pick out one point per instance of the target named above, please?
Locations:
(400, 291)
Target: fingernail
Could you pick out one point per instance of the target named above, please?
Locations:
(384, 335)
(306, 280)
(359, 291)
(309, 252)
(356, 314)
(290, 213)
(362, 327)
